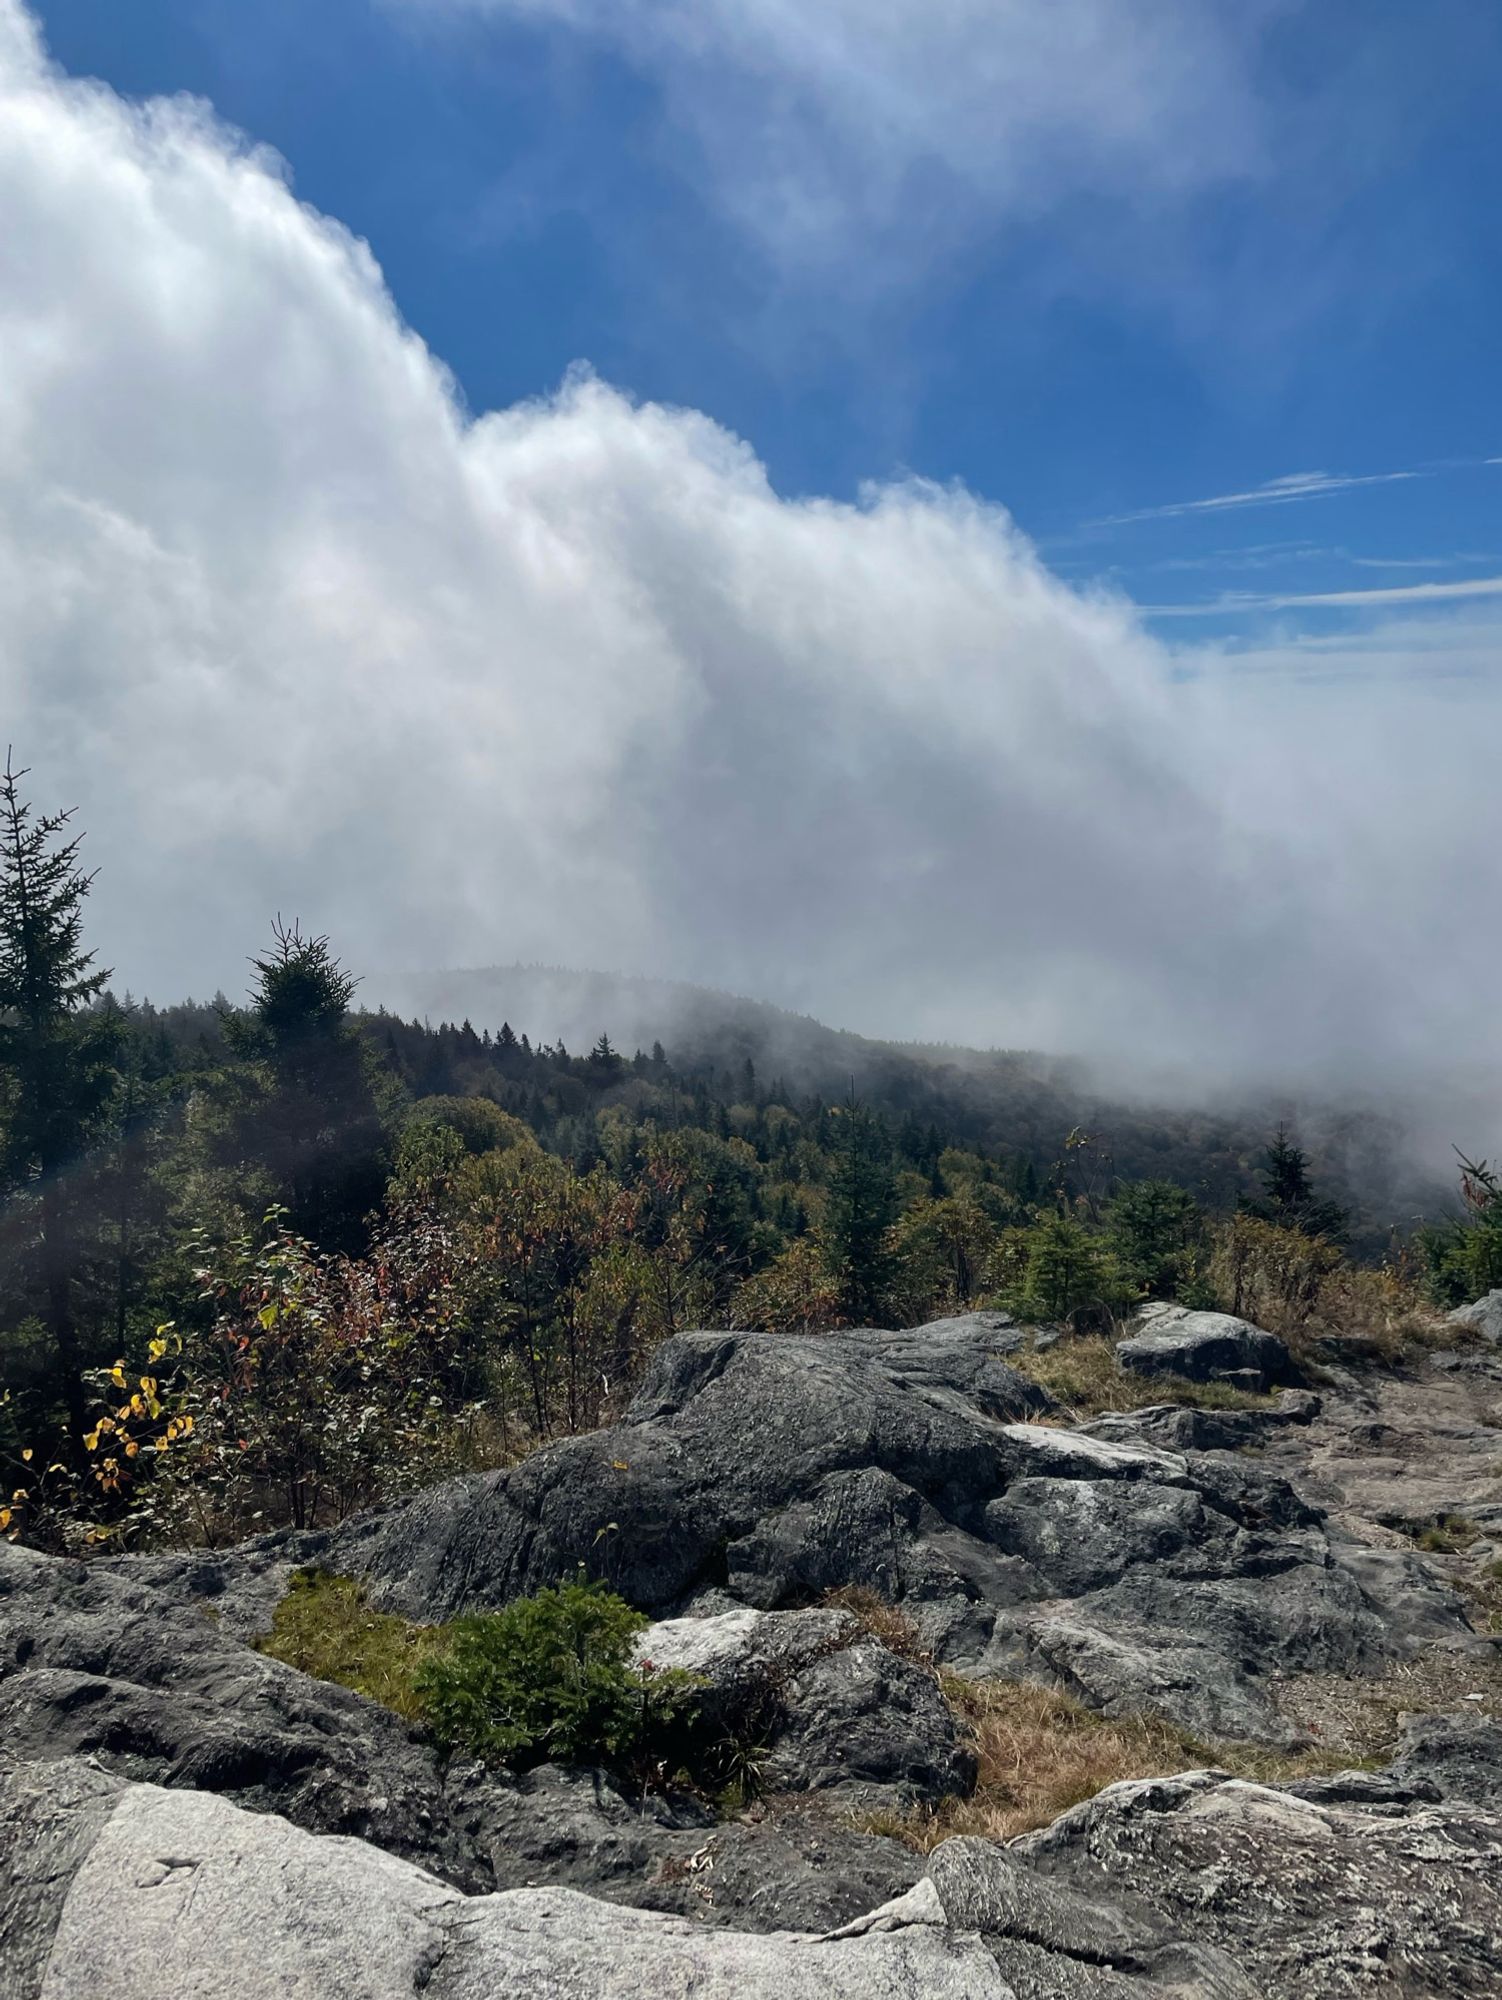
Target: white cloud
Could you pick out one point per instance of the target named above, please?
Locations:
(1287, 490)
(878, 132)
(1235, 601)
(570, 681)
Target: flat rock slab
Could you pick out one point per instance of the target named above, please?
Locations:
(183, 1894)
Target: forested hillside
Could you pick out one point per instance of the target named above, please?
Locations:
(266, 1261)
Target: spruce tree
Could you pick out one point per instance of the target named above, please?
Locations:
(1153, 1229)
(861, 1210)
(55, 1054)
(1288, 1197)
(317, 1129)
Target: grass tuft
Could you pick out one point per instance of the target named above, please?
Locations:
(1450, 1535)
(1040, 1752)
(325, 1626)
(881, 1621)
(1084, 1374)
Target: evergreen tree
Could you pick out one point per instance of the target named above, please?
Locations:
(1065, 1270)
(1153, 1229)
(862, 1208)
(317, 1130)
(1288, 1197)
(56, 1055)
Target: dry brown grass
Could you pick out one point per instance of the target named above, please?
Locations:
(1306, 1291)
(883, 1621)
(1040, 1752)
(1361, 1719)
(1083, 1373)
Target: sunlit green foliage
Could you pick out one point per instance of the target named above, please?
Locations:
(550, 1678)
(325, 1626)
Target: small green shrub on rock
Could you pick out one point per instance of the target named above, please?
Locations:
(550, 1678)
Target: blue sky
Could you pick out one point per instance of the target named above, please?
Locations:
(1020, 562)
(1321, 292)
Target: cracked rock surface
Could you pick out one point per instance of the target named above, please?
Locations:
(764, 1470)
(179, 1814)
(1193, 1886)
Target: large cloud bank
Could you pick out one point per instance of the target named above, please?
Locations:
(571, 682)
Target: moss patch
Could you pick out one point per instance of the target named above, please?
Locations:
(326, 1627)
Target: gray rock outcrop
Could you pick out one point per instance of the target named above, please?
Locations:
(1190, 1888)
(94, 1664)
(179, 1814)
(763, 1471)
(829, 1709)
(136, 1892)
(1206, 1347)
(1483, 1317)
(1302, 1899)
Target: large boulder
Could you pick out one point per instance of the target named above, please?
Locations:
(827, 1708)
(1206, 1347)
(866, 1432)
(765, 1471)
(136, 1892)
(1282, 1898)
(1484, 1317)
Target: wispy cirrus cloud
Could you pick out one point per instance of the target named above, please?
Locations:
(1287, 490)
(1230, 602)
(873, 135)
(1460, 559)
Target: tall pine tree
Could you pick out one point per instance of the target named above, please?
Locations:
(861, 1210)
(317, 1129)
(56, 1058)
(1289, 1198)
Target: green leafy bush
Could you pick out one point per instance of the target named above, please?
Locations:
(1464, 1255)
(550, 1678)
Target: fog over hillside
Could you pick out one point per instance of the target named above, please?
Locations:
(1388, 1153)
(572, 681)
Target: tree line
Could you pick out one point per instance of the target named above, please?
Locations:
(266, 1262)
